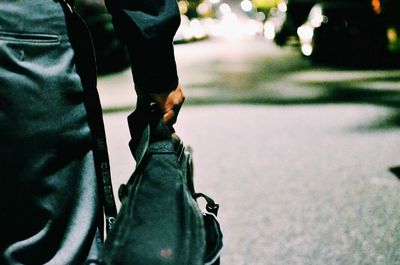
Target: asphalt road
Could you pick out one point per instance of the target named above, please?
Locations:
(298, 156)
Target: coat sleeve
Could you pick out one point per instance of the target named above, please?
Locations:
(148, 27)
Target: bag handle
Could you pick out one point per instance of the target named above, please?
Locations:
(83, 47)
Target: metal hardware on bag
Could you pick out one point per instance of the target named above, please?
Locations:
(212, 208)
(110, 222)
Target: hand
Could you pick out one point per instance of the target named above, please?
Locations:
(170, 103)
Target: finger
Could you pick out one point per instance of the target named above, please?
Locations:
(171, 113)
(170, 118)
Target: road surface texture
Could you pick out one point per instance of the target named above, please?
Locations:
(302, 159)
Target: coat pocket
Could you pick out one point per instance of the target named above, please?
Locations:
(32, 38)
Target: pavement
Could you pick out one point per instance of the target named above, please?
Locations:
(117, 91)
(297, 185)
(254, 72)
(301, 159)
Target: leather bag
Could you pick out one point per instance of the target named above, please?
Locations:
(160, 221)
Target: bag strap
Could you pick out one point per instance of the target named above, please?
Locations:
(86, 66)
(69, 4)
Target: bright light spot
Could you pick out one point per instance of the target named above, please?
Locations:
(282, 7)
(214, 1)
(211, 26)
(306, 49)
(184, 32)
(269, 30)
(305, 33)
(183, 7)
(316, 18)
(252, 27)
(317, 21)
(229, 27)
(316, 11)
(392, 35)
(187, 34)
(225, 9)
(197, 29)
(246, 5)
(203, 9)
(260, 16)
(376, 6)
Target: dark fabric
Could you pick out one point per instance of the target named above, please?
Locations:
(159, 222)
(48, 193)
(148, 28)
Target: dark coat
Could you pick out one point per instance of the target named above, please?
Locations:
(48, 192)
(148, 28)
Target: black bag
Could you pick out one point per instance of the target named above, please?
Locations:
(160, 221)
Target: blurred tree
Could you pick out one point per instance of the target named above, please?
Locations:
(265, 5)
(192, 8)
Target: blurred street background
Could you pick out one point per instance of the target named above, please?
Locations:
(293, 114)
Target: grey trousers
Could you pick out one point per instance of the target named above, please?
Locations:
(48, 187)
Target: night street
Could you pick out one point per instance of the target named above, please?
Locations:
(302, 159)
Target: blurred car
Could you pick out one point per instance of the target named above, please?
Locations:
(111, 53)
(348, 31)
(283, 21)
